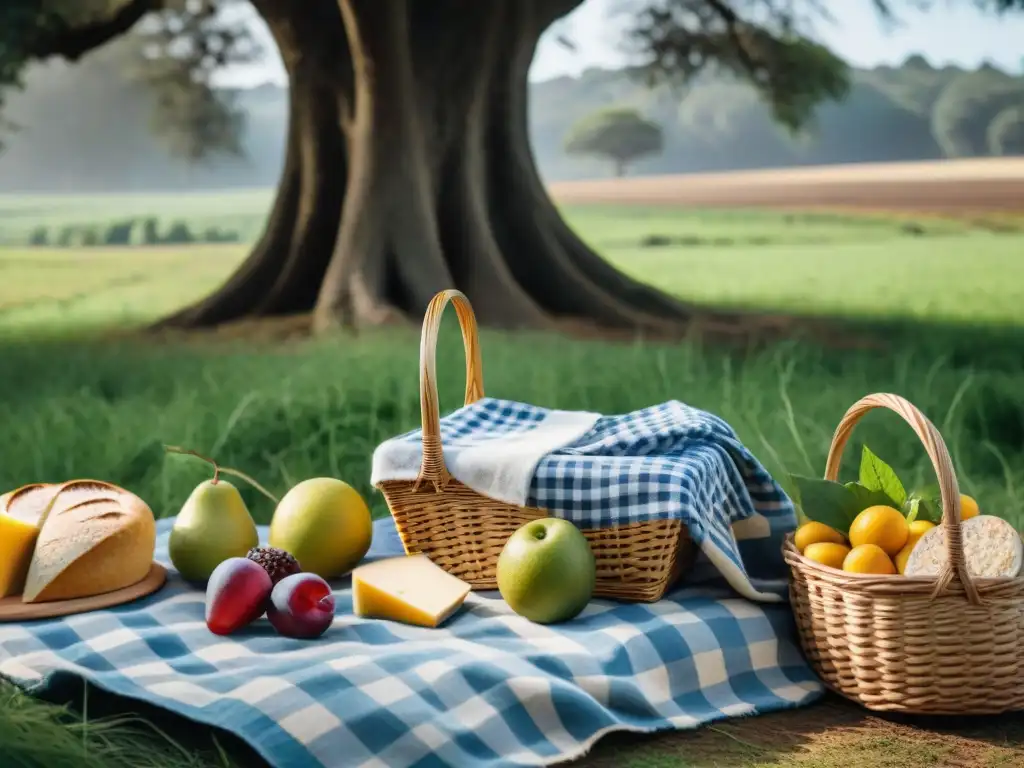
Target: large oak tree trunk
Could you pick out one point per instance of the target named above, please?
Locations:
(408, 170)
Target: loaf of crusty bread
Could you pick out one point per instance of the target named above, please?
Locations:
(94, 538)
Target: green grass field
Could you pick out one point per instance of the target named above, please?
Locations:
(74, 405)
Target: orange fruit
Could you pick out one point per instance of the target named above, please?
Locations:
(918, 528)
(886, 527)
(868, 558)
(968, 507)
(827, 553)
(816, 533)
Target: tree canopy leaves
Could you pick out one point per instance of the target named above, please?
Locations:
(1006, 132)
(183, 43)
(179, 46)
(761, 43)
(966, 108)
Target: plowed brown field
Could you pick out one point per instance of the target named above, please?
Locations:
(988, 185)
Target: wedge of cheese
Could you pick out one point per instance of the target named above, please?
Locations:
(94, 538)
(409, 589)
(20, 514)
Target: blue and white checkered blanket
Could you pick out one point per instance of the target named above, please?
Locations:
(669, 461)
(486, 689)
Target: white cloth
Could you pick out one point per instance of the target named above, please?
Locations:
(498, 464)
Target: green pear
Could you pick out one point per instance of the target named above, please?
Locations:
(213, 525)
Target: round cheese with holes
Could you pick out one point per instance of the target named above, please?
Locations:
(992, 549)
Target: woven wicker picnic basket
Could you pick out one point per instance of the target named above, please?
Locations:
(952, 644)
(464, 531)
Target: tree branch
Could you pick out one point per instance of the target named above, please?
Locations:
(732, 22)
(73, 42)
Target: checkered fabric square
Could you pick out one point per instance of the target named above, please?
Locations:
(486, 689)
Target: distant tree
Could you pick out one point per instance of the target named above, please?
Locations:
(40, 236)
(151, 231)
(179, 233)
(89, 237)
(119, 233)
(916, 61)
(621, 134)
(967, 106)
(1006, 132)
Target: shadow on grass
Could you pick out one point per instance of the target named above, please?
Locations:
(208, 745)
(833, 733)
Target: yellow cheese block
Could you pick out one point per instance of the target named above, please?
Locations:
(409, 589)
(17, 542)
(21, 512)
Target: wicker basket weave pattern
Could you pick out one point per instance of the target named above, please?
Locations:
(947, 645)
(464, 531)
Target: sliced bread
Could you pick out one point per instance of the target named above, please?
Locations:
(94, 538)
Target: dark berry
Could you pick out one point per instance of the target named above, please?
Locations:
(276, 562)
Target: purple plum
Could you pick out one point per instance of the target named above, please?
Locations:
(236, 595)
(301, 606)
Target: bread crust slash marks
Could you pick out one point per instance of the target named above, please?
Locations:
(94, 538)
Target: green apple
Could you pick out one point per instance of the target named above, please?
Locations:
(325, 524)
(546, 571)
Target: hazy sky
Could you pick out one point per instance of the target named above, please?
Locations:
(952, 33)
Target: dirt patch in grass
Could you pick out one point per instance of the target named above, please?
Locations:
(832, 734)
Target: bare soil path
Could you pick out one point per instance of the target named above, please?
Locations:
(984, 185)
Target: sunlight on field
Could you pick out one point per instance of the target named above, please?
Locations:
(47, 290)
(964, 278)
(870, 267)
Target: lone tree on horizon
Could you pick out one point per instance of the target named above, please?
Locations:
(408, 167)
(619, 134)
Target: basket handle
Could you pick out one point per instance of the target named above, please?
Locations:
(949, 489)
(433, 469)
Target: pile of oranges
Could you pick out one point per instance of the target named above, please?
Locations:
(880, 540)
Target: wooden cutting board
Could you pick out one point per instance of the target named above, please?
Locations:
(12, 609)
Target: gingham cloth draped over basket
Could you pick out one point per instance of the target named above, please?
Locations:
(487, 689)
(669, 462)
(646, 488)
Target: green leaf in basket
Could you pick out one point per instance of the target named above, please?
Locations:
(868, 497)
(927, 508)
(911, 509)
(826, 501)
(876, 475)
